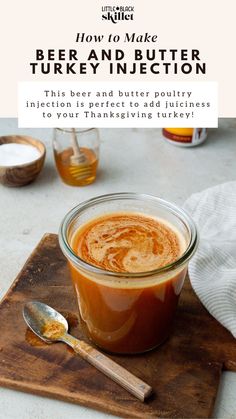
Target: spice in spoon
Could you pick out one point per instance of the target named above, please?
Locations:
(53, 329)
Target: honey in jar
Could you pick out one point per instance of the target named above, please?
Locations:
(76, 174)
(76, 153)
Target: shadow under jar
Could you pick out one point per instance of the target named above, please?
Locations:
(76, 153)
(125, 312)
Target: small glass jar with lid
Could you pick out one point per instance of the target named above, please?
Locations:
(185, 137)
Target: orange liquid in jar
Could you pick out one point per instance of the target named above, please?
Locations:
(76, 175)
(132, 316)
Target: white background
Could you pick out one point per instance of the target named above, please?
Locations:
(157, 94)
(208, 26)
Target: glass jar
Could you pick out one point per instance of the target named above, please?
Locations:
(185, 137)
(76, 153)
(127, 312)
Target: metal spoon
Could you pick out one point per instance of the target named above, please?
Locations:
(51, 326)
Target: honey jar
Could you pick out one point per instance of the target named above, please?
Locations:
(76, 153)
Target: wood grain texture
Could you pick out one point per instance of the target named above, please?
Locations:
(23, 174)
(184, 372)
(111, 369)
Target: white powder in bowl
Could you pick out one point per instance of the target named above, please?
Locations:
(14, 154)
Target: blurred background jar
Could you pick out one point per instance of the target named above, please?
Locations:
(76, 153)
(185, 137)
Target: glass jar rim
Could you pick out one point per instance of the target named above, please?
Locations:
(74, 258)
(77, 130)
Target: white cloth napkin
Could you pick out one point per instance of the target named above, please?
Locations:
(212, 270)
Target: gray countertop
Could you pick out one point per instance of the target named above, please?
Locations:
(136, 160)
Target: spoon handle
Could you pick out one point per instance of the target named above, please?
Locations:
(110, 368)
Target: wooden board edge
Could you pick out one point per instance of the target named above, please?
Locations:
(81, 401)
(95, 402)
(229, 365)
(33, 252)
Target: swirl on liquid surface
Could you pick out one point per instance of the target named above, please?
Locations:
(127, 242)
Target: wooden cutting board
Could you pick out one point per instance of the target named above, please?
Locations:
(184, 372)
